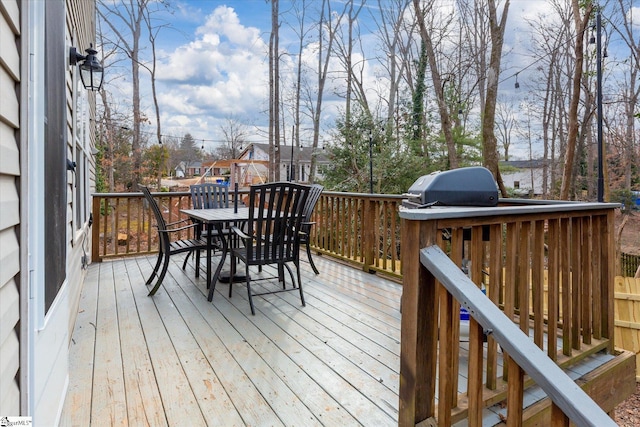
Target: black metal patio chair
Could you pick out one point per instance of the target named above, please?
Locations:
(305, 228)
(207, 196)
(167, 246)
(272, 234)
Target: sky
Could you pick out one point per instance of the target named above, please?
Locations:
(212, 66)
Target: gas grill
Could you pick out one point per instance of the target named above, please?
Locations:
(471, 186)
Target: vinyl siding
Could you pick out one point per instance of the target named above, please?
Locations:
(9, 208)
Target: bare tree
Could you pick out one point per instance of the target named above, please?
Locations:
(274, 94)
(505, 122)
(153, 32)
(629, 87)
(328, 24)
(438, 81)
(129, 13)
(235, 136)
(489, 141)
(581, 23)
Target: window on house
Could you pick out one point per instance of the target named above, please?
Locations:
(516, 184)
(55, 151)
(81, 154)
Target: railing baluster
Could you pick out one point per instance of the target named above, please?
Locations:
(596, 277)
(585, 279)
(524, 269)
(576, 242)
(493, 291)
(116, 227)
(128, 227)
(457, 242)
(565, 285)
(537, 282)
(553, 256)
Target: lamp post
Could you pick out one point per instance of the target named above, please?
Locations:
(371, 161)
(292, 172)
(599, 105)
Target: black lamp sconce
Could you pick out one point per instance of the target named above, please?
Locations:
(91, 71)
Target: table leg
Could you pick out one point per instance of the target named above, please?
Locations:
(209, 257)
(211, 284)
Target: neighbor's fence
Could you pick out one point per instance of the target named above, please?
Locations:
(629, 264)
(627, 320)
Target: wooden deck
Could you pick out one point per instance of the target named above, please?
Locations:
(176, 359)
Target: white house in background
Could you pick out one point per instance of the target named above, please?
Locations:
(254, 162)
(46, 124)
(527, 179)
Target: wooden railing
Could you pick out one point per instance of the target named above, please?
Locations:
(122, 223)
(359, 228)
(548, 266)
(569, 402)
(507, 250)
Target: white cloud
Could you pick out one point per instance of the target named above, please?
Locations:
(220, 73)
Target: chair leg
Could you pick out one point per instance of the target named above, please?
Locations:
(232, 273)
(155, 269)
(184, 264)
(281, 276)
(293, 280)
(313, 266)
(197, 263)
(165, 266)
(300, 283)
(253, 310)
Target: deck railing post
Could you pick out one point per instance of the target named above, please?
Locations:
(418, 342)
(369, 245)
(95, 232)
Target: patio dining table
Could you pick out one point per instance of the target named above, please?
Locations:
(217, 218)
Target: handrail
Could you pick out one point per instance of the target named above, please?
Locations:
(363, 229)
(549, 268)
(563, 391)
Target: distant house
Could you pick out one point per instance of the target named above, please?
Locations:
(253, 163)
(526, 179)
(189, 169)
(217, 168)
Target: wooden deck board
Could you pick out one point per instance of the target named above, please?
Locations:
(108, 400)
(77, 411)
(144, 404)
(176, 358)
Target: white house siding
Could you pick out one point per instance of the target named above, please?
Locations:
(34, 349)
(10, 403)
(80, 33)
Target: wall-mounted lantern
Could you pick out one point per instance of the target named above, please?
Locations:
(91, 71)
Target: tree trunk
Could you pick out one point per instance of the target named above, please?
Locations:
(489, 140)
(438, 83)
(572, 137)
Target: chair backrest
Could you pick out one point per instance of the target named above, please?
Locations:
(275, 215)
(312, 200)
(163, 236)
(209, 196)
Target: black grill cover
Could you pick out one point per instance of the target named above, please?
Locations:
(472, 186)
